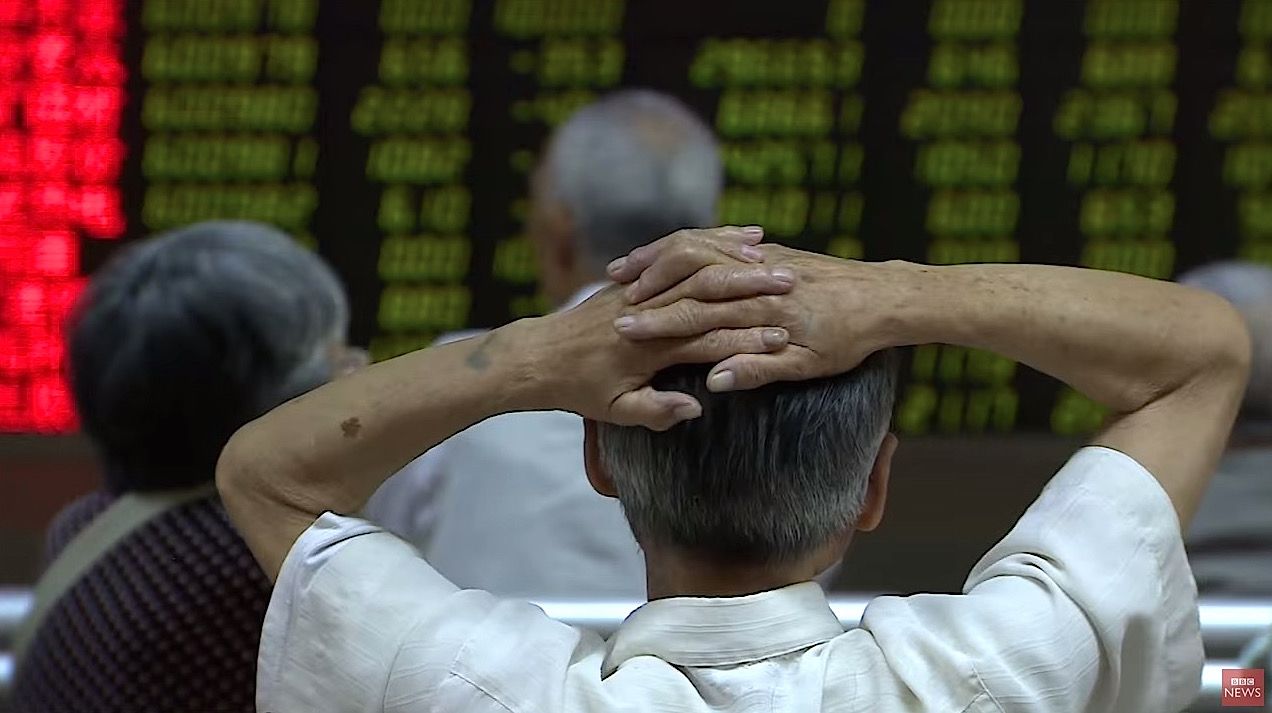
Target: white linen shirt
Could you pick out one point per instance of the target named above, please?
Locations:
(505, 506)
(1086, 605)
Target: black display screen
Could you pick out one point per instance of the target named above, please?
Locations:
(397, 138)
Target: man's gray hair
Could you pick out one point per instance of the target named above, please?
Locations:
(184, 337)
(763, 476)
(632, 167)
(1248, 286)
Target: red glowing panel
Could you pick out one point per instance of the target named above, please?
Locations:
(62, 78)
(53, 12)
(50, 157)
(12, 203)
(98, 160)
(13, 158)
(51, 55)
(100, 211)
(51, 407)
(56, 254)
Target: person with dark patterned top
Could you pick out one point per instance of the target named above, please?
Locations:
(178, 342)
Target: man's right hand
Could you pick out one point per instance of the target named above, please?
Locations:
(835, 314)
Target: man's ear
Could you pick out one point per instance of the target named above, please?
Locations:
(877, 488)
(596, 473)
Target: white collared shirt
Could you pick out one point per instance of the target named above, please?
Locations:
(1086, 605)
(505, 506)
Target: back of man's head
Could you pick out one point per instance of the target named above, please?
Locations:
(764, 476)
(632, 167)
(1248, 286)
(186, 336)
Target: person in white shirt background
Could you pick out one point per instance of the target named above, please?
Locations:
(1087, 604)
(1230, 541)
(620, 172)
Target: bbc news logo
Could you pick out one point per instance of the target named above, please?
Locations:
(1243, 687)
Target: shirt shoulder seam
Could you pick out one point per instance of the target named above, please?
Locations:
(482, 689)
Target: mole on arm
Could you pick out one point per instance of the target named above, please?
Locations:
(350, 427)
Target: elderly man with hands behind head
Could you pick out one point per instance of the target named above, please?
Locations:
(1086, 605)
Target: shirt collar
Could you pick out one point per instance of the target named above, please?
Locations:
(583, 294)
(699, 631)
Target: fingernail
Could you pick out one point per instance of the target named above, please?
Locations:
(783, 275)
(615, 266)
(753, 230)
(773, 337)
(721, 381)
(751, 253)
(686, 411)
(623, 324)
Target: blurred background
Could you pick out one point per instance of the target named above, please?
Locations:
(397, 138)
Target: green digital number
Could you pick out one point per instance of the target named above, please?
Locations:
(846, 247)
(1254, 66)
(1248, 166)
(782, 211)
(775, 112)
(1151, 258)
(293, 15)
(397, 210)
(419, 308)
(289, 206)
(973, 212)
(201, 15)
(937, 114)
(1076, 415)
(1256, 20)
(843, 17)
(1254, 214)
(1241, 114)
(975, 19)
(1112, 65)
(409, 160)
(1127, 212)
(535, 18)
(424, 258)
(194, 58)
(952, 163)
(282, 109)
(291, 59)
(515, 261)
(183, 157)
(954, 65)
(446, 209)
(1131, 18)
(392, 111)
(580, 62)
(915, 409)
(424, 16)
(946, 251)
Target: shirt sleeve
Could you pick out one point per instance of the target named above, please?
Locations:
(1088, 604)
(346, 596)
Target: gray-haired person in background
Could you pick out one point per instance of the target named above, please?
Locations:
(1230, 543)
(151, 600)
(629, 168)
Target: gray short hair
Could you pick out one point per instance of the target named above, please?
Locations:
(184, 337)
(762, 476)
(1248, 286)
(632, 167)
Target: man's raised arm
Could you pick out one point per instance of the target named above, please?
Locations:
(1169, 362)
(330, 449)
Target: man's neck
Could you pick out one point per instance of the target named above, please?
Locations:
(679, 575)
